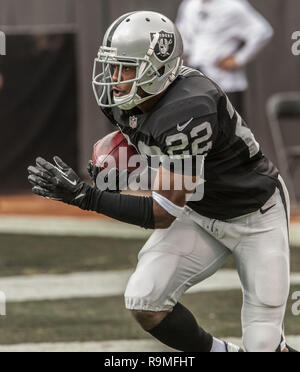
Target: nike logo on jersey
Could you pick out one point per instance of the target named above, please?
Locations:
(264, 211)
(180, 128)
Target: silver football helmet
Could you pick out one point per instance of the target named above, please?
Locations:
(150, 42)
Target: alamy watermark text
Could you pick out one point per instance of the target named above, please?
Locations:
(296, 44)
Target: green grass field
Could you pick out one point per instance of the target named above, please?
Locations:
(88, 319)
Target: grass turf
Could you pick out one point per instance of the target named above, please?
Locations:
(28, 255)
(106, 319)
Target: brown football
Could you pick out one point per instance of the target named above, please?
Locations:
(114, 151)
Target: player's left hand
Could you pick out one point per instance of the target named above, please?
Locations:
(57, 182)
(229, 64)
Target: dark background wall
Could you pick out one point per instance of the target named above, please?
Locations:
(38, 113)
(275, 70)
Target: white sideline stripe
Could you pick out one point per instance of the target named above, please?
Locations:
(98, 284)
(69, 226)
(56, 287)
(112, 346)
(72, 226)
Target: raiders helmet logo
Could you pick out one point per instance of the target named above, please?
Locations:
(165, 45)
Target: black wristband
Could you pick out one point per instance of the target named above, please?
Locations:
(135, 210)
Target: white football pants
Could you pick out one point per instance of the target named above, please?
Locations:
(195, 247)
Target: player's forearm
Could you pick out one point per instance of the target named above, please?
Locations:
(135, 210)
(59, 182)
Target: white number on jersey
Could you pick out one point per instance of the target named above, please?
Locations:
(183, 140)
(243, 132)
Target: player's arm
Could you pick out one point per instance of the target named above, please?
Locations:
(59, 182)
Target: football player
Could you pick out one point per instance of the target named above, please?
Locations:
(164, 108)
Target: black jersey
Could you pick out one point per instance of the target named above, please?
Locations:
(195, 117)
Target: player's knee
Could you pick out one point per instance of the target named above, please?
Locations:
(262, 338)
(149, 319)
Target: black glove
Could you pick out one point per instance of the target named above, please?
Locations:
(58, 182)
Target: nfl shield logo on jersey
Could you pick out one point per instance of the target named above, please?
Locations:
(133, 122)
(165, 45)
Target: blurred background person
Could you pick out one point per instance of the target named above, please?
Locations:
(221, 37)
